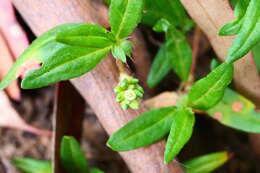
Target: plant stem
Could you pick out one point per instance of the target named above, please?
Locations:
(195, 51)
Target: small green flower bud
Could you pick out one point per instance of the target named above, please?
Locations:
(128, 93)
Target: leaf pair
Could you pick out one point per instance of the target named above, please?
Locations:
(73, 158)
(175, 54)
(70, 50)
(152, 126)
(249, 33)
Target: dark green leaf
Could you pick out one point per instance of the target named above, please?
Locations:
(95, 170)
(179, 52)
(256, 53)
(181, 131)
(28, 165)
(208, 91)
(124, 16)
(206, 163)
(146, 129)
(237, 112)
(160, 67)
(72, 157)
(162, 25)
(249, 34)
(171, 10)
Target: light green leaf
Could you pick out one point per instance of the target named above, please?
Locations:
(95, 170)
(181, 131)
(146, 129)
(208, 91)
(162, 25)
(72, 157)
(233, 27)
(161, 66)
(126, 45)
(206, 163)
(118, 53)
(28, 165)
(179, 52)
(124, 16)
(237, 112)
(249, 34)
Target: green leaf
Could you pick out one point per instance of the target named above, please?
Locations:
(95, 170)
(233, 27)
(179, 52)
(208, 91)
(64, 53)
(206, 163)
(146, 129)
(171, 10)
(28, 165)
(124, 16)
(256, 53)
(214, 64)
(34, 52)
(72, 157)
(161, 66)
(162, 25)
(126, 45)
(181, 131)
(237, 112)
(249, 34)
(118, 53)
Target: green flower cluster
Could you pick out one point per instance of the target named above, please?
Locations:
(128, 93)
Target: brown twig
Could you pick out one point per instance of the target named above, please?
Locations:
(195, 49)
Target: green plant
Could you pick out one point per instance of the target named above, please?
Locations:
(204, 95)
(72, 159)
(82, 46)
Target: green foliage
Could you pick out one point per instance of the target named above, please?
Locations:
(181, 131)
(180, 53)
(95, 170)
(233, 27)
(208, 91)
(171, 10)
(128, 93)
(28, 165)
(162, 25)
(175, 53)
(71, 50)
(249, 34)
(146, 129)
(256, 54)
(161, 66)
(237, 112)
(72, 157)
(206, 163)
(124, 16)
